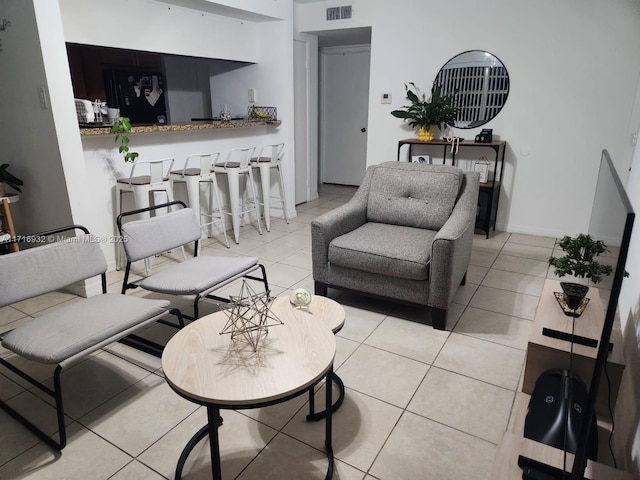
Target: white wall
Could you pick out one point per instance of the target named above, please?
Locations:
(42, 140)
(30, 142)
(272, 79)
(573, 73)
(154, 26)
(627, 439)
(575, 90)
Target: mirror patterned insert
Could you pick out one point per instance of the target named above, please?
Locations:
(480, 84)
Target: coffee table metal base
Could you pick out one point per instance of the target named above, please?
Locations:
(317, 416)
(214, 421)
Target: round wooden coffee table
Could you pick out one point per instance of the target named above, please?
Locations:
(327, 311)
(211, 369)
(332, 315)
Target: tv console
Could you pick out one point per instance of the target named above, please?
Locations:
(546, 352)
(513, 446)
(549, 352)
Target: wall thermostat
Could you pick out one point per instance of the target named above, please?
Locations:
(385, 98)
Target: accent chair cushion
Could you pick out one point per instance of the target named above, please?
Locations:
(64, 332)
(413, 195)
(391, 250)
(197, 274)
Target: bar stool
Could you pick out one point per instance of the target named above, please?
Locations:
(269, 158)
(193, 177)
(141, 186)
(236, 164)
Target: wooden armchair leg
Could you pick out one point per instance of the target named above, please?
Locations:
(439, 318)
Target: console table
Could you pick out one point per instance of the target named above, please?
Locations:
(489, 190)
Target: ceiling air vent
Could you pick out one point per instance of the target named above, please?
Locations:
(339, 13)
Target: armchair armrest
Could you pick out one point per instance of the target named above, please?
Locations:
(451, 250)
(330, 225)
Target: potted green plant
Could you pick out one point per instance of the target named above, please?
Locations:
(9, 179)
(121, 129)
(580, 262)
(438, 110)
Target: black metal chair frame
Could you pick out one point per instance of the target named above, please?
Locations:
(126, 285)
(133, 340)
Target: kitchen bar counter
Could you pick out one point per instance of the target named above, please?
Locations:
(182, 127)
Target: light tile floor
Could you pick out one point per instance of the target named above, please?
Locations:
(420, 403)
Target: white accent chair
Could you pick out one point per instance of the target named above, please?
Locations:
(199, 276)
(67, 335)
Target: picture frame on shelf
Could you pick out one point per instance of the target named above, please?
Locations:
(424, 158)
(482, 166)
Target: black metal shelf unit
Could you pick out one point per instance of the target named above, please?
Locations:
(489, 191)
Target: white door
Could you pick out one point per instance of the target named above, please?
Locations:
(301, 100)
(344, 106)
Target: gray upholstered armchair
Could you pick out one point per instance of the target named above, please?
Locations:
(405, 235)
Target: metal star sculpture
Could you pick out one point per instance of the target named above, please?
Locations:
(250, 315)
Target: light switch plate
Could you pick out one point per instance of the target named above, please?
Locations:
(252, 95)
(385, 98)
(42, 96)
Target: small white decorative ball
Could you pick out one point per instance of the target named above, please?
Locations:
(300, 298)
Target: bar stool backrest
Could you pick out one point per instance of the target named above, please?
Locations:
(158, 170)
(272, 151)
(206, 160)
(239, 157)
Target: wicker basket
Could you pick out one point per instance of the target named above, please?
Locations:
(262, 113)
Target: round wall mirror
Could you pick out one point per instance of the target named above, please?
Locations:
(480, 85)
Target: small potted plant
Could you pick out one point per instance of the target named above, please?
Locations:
(580, 262)
(6, 178)
(426, 114)
(121, 129)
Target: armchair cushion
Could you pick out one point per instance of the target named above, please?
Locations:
(401, 195)
(356, 250)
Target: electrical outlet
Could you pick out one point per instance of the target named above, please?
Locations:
(385, 98)
(252, 95)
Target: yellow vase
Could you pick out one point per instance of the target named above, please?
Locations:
(426, 134)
